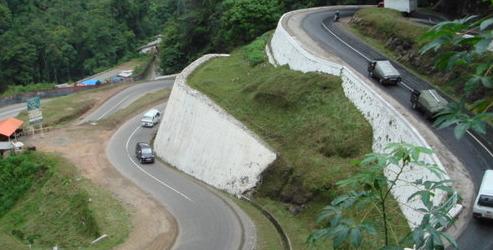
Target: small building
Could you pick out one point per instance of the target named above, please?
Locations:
(405, 6)
(9, 127)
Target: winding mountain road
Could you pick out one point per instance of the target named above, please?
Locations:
(206, 219)
(333, 38)
(126, 97)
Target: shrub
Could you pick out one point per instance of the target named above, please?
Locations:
(17, 175)
(13, 90)
(254, 52)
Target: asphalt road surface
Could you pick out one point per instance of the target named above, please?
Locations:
(476, 158)
(206, 220)
(12, 110)
(126, 97)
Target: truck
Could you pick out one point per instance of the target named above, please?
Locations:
(404, 6)
(384, 72)
(483, 205)
(428, 101)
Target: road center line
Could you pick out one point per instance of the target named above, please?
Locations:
(480, 143)
(114, 107)
(340, 39)
(147, 173)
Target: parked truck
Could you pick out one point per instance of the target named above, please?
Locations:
(404, 6)
(428, 101)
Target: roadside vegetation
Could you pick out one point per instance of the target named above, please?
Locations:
(13, 90)
(299, 115)
(142, 62)
(401, 39)
(62, 110)
(45, 203)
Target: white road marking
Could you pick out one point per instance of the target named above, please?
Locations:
(406, 86)
(403, 84)
(480, 143)
(147, 173)
(114, 107)
(342, 41)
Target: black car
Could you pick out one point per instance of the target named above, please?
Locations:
(144, 153)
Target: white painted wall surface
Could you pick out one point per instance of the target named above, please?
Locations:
(201, 139)
(387, 123)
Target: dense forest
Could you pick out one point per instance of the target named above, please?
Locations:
(198, 27)
(64, 40)
(60, 40)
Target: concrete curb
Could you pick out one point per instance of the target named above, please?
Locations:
(284, 236)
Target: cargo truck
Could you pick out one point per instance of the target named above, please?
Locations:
(404, 6)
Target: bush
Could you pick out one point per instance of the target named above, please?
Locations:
(254, 52)
(18, 173)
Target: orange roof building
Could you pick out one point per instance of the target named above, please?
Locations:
(9, 126)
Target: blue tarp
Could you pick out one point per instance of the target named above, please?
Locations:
(91, 82)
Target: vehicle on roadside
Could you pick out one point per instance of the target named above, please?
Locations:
(404, 6)
(144, 152)
(384, 72)
(151, 118)
(337, 15)
(483, 206)
(428, 101)
(125, 73)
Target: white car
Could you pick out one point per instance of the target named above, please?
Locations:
(483, 206)
(125, 73)
(151, 118)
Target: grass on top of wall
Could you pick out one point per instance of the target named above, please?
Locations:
(316, 131)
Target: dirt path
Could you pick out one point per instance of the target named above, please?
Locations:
(153, 227)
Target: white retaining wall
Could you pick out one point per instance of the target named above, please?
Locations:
(387, 123)
(201, 139)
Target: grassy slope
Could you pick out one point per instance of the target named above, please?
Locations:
(307, 119)
(63, 209)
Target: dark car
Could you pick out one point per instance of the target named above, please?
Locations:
(144, 153)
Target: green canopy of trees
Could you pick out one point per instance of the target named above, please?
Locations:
(198, 27)
(59, 41)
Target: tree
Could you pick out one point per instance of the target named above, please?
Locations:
(5, 18)
(458, 43)
(16, 59)
(244, 20)
(372, 186)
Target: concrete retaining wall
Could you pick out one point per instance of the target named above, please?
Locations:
(201, 139)
(387, 123)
